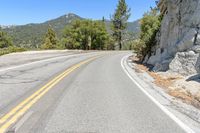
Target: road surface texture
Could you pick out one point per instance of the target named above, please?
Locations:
(31, 56)
(96, 97)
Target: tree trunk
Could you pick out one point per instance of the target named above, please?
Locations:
(120, 41)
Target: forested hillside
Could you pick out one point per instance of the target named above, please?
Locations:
(32, 35)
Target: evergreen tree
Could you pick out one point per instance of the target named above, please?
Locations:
(5, 40)
(103, 19)
(119, 21)
(50, 41)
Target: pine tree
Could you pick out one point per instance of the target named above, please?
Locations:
(103, 19)
(119, 21)
(50, 41)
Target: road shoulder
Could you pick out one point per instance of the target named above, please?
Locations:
(178, 109)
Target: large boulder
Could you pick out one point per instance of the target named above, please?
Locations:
(184, 63)
(163, 66)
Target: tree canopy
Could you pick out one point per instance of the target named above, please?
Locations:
(119, 21)
(150, 25)
(5, 40)
(86, 35)
(50, 40)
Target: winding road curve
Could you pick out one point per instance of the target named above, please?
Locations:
(82, 93)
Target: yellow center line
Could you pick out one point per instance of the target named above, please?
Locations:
(23, 107)
(13, 111)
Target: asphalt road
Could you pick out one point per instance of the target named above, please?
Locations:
(95, 97)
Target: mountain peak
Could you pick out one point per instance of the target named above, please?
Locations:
(72, 15)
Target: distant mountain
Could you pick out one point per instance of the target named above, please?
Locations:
(31, 35)
(6, 26)
(134, 26)
(133, 29)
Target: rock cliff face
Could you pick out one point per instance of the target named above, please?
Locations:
(178, 47)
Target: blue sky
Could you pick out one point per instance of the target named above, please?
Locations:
(20, 12)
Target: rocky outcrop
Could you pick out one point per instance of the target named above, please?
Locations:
(178, 45)
(184, 63)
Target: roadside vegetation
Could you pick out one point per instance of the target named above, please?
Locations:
(50, 40)
(86, 35)
(119, 22)
(12, 49)
(150, 25)
(5, 40)
(6, 44)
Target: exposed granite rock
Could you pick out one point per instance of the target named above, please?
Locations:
(184, 63)
(179, 38)
(196, 48)
(198, 65)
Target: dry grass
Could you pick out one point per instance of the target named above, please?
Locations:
(167, 82)
(160, 80)
(186, 97)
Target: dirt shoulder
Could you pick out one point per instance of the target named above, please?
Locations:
(184, 88)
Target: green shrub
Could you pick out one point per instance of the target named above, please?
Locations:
(138, 47)
(86, 35)
(50, 40)
(150, 25)
(8, 50)
(5, 40)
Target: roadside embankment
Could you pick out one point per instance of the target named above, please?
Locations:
(186, 88)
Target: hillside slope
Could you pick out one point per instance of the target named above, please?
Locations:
(31, 35)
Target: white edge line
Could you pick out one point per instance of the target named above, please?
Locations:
(164, 109)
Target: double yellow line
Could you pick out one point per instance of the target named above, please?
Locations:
(11, 117)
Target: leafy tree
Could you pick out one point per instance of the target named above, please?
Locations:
(71, 36)
(150, 25)
(5, 40)
(119, 21)
(50, 41)
(86, 35)
(111, 44)
(99, 36)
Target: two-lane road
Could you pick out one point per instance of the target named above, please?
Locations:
(79, 94)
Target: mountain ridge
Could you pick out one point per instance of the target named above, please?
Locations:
(31, 35)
